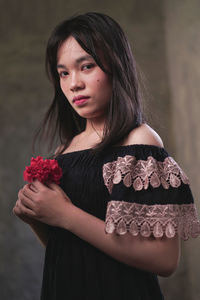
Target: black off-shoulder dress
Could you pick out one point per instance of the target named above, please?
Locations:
(138, 189)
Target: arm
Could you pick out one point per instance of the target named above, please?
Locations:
(52, 206)
(159, 256)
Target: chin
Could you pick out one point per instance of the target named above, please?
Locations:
(90, 115)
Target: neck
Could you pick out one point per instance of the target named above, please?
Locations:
(95, 126)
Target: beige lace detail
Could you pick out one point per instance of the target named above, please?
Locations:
(156, 220)
(142, 173)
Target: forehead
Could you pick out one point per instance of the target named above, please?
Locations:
(70, 49)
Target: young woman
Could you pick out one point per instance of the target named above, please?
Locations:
(115, 221)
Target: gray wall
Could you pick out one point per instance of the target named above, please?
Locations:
(165, 40)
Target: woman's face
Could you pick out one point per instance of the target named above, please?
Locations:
(87, 88)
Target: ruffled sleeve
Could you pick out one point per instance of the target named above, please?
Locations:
(149, 195)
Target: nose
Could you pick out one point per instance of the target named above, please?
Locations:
(76, 82)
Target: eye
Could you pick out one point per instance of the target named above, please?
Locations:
(87, 66)
(63, 74)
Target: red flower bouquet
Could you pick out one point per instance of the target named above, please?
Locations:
(45, 171)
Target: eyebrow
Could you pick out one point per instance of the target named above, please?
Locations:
(78, 61)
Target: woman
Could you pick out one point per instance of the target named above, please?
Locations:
(115, 221)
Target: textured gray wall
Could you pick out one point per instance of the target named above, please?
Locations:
(182, 25)
(165, 40)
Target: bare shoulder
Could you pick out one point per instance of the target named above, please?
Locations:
(144, 134)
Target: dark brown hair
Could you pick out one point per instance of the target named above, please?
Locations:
(98, 34)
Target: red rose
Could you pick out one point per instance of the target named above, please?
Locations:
(45, 171)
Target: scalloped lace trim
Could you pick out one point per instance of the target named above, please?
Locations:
(156, 220)
(141, 173)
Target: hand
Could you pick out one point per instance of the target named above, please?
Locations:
(48, 204)
(19, 209)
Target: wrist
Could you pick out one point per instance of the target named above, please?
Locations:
(66, 220)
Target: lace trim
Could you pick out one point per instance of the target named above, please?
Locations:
(156, 220)
(142, 173)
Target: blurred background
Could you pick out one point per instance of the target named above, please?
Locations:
(165, 39)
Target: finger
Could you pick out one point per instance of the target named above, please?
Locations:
(22, 193)
(24, 201)
(27, 192)
(52, 185)
(16, 210)
(38, 185)
(19, 193)
(28, 203)
(17, 206)
(33, 188)
(27, 211)
(18, 203)
(21, 209)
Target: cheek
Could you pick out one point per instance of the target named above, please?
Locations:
(104, 86)
(63, 87)
(104, 90)
(103, 83)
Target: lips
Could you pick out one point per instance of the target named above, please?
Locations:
(80, 98)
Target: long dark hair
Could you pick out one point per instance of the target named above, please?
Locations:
(99, 35)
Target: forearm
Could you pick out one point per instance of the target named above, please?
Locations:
(50, 205)
(152, 255)
(41, 230)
